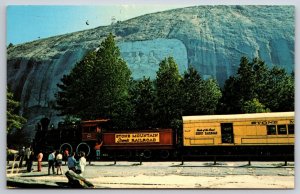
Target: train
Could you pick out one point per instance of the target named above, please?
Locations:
(203, 137)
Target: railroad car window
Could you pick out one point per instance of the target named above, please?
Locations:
(271, 129)
(291, 128)
(227, 132)
(281, 129)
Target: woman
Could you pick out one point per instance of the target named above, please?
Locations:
(58, 163)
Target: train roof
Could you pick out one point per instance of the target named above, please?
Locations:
(238, 116)
(90, 123)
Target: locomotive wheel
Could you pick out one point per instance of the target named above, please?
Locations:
(83, 144)
(164, 154)
(65, 144)
(147, 154)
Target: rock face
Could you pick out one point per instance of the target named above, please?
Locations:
(210, 38)
(144, 57)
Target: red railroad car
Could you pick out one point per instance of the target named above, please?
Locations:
(91, 130)
(151, 143)
(155, 143)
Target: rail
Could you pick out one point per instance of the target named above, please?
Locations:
(244, 157)
(215, 158)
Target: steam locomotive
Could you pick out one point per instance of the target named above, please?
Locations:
(260, 136)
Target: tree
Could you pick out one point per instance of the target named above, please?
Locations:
(279, 91)
(76, 90)
(211, 95)
(14, 120)
(246, 80)
(191, 92)
(97, 86)
(168, 95)
(112, 78)
(198, 96)
(255, 84)
(254, 106)
(143, 97)
(239, 88)
(230, 101)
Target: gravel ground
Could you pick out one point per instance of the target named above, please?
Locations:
(201, 175)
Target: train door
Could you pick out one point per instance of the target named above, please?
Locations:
(227, 132)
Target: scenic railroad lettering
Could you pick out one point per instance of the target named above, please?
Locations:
(137, 138)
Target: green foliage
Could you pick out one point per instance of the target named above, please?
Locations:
(230, 101)
(97, 86)
(211, 96)
(198, 96)
(279, 92)
(14, 121)
(77, 89)
(191, 92)
(254, 106)
(69, 120)
(143, 98)
(246, 79)
(273, 88)
(112, 78)
(168, 95)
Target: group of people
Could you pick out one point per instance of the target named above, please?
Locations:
(55, 159)
(27, 155)
(77, 166)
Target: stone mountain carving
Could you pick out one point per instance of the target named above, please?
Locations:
(143, 57)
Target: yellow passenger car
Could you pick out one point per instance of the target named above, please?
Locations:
(255, 129)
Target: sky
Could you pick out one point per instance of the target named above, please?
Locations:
(31, 22)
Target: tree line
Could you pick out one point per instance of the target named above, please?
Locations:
(257, 88)
(101, 86)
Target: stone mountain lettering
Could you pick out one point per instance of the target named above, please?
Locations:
(137, 138)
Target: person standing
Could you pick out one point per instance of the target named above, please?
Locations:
(51, 158)
(66, 155)
(40, 160)
(22, 155)
(72, 162)
(58, 163)
(81, 164)
(27, 154)
(30, 161)
(98, 149)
